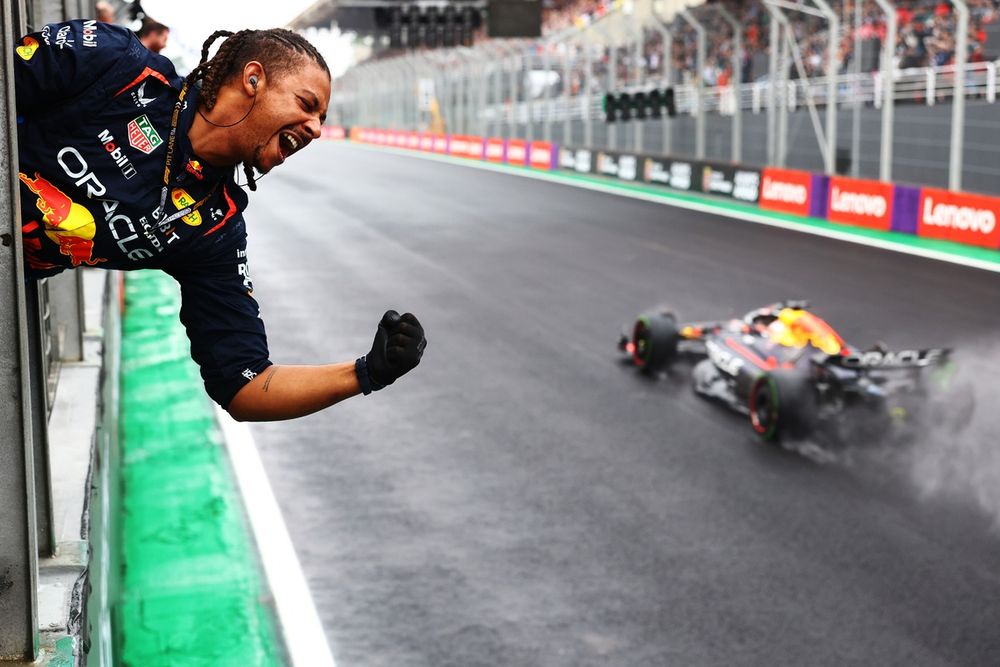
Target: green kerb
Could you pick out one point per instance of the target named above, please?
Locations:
(192, 594)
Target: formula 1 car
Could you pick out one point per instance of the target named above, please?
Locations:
(795, 377)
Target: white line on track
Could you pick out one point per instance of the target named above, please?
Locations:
(705, 207)
(305, 641)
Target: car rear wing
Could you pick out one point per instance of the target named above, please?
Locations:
(890, 360)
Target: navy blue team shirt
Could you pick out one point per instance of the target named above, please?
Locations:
(94, 111)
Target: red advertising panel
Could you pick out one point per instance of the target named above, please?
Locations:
(459, 145)
(357, 134)
(517, 152)
(961, 217)
(413, 141)
(474, 149)
(541, 155)
(440, 143)
(494, 150)
(426, 142)
(332, 132)
(859, 202)
(786, 190)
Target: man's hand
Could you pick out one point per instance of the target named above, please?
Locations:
(399, 344)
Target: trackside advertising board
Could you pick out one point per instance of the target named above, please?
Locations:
(517, 152)
(859, 202)
(958, 216)
(496, 150)
(785, 190)
(716, 178)
(543, 155)
(334, 132)
(536, 154)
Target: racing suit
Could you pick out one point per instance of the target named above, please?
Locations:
(94, 116)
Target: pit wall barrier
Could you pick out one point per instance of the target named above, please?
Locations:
(959, 217)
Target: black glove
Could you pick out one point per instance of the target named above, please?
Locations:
(399, 344)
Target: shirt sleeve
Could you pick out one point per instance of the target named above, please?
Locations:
(63, 60)
(222, 320)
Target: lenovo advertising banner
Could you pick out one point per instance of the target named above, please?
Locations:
(334, 132)
(543, 155)
(517, 152)
(475, 147)
(859, 202)
(960, 217)
(458, 146)
(496, 150)
(785, 190)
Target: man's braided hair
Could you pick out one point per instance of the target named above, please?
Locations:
(277, 49)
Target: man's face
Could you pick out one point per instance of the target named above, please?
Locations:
(290, 112)
(159, 41)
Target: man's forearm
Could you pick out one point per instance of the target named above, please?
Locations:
(287, 392)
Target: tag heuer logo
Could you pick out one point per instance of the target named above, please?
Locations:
(142, 136)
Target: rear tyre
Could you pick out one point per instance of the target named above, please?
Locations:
(782, 404)
(654, 340)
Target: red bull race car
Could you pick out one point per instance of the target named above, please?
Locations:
(795, 378)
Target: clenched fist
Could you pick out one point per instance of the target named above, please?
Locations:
(399, 344)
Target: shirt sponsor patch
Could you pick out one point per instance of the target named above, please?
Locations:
(27, 50)
(142, 135)
(181, 200)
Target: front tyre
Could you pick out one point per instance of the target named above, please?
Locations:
(654, 341)
(782, 404)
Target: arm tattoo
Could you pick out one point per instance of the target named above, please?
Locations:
(270, 376)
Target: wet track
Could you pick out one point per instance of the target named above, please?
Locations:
(524, 499)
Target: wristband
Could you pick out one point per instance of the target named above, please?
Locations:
(364, 379)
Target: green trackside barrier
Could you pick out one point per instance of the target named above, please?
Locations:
(985, 255)
(191, 589)
(104, 576)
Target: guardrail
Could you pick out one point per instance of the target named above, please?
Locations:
(41, 323)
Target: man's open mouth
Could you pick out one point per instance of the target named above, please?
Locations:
(288, 143)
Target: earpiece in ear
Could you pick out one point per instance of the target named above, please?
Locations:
(253, 81)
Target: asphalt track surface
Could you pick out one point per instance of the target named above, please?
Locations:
(522, 498)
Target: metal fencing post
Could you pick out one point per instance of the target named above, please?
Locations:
(833, 41)
(699, 95)
(513, 97)
(856, 87)
(18, 536)
(546, 97)
(735, 80)
(666, 34)
(588, 90)
(888, 89)
(958, 96)
(529, 105)
(566, 78)
(772, 88)
(638, 72)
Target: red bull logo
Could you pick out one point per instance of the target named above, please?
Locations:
(67, 223)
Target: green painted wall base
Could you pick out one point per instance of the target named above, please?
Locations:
(191, 589)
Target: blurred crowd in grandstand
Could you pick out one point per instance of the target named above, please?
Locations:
(926, 37)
